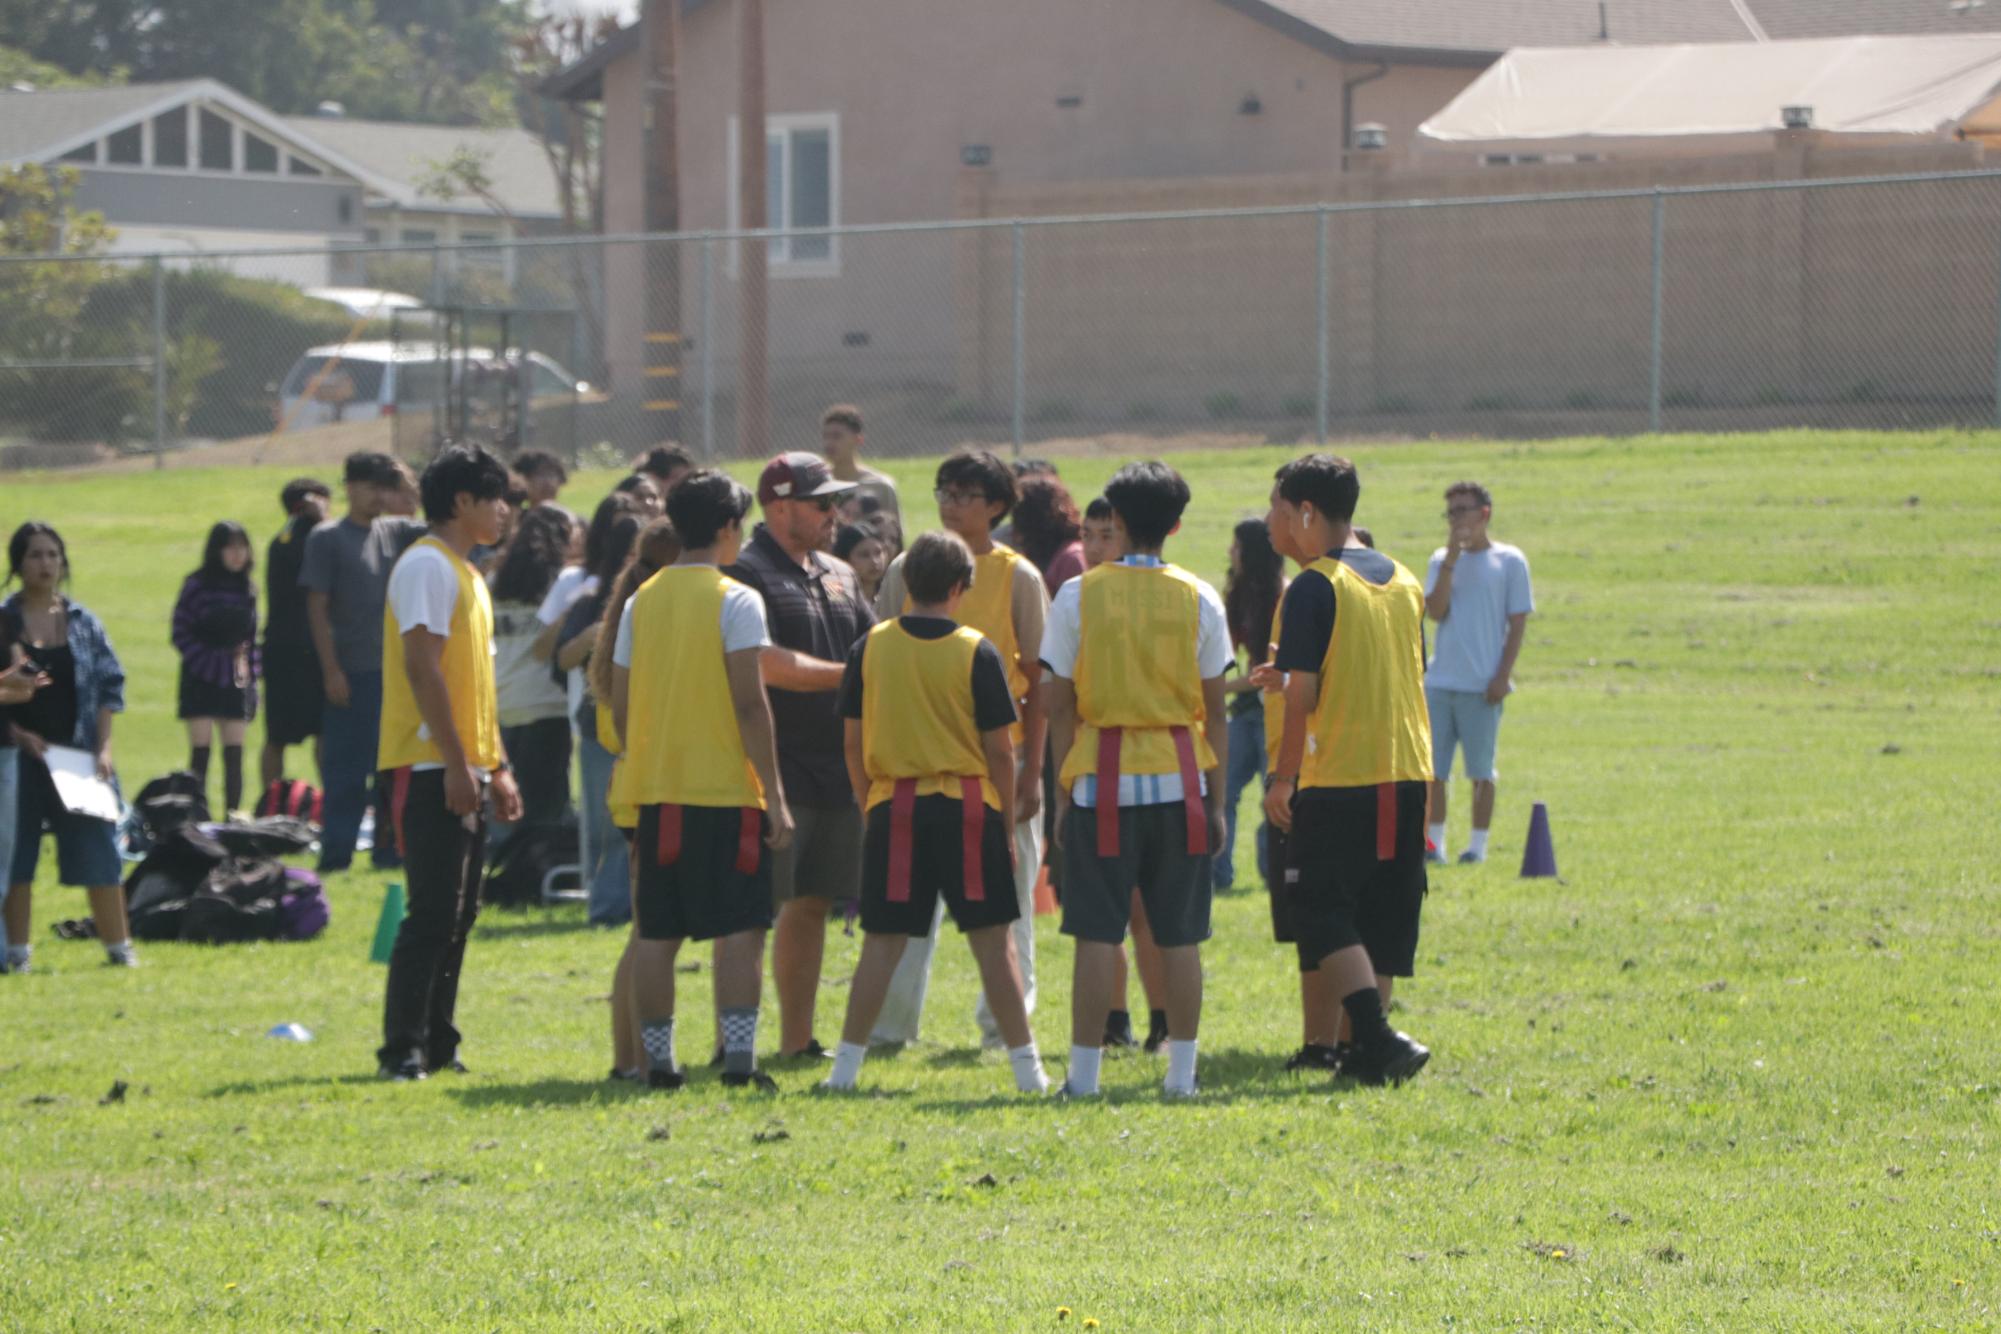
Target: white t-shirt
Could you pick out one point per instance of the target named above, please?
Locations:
(1213, 656)
(573, 583)
(423, 593)
(743, 625)
(1488, 587)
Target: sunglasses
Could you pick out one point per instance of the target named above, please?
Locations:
(824, 504)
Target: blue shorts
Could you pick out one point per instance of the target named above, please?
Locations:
(86, 849)
(1463, 720)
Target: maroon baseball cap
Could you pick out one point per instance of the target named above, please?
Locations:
(797, 475)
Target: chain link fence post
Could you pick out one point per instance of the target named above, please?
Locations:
(1020, 336)
(1323, 383)
(159, 363)
(708, 350)
(1659, 293)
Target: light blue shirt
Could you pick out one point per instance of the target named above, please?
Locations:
(1487, 588)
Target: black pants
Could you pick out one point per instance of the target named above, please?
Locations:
(540, 754)
(441, 870)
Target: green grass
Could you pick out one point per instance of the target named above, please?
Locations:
(1741, 1067)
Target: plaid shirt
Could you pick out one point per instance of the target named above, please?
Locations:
(100, 680)
(819, 610)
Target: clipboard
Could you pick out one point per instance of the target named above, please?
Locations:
(79, 788)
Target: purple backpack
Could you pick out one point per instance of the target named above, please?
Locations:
(303, 911)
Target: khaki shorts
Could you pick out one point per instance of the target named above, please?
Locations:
(824, 860)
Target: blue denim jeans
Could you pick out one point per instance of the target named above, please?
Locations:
(1245, 765)
(348, 744)
(10, 770)
(607, 873)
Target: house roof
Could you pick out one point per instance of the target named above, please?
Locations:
(404, 155)
(42, 126)
(1874, 86)
(1476, 32)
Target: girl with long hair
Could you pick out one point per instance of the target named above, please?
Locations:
(533, 726)
(215, 632)
(1048, 529)
(1250, 601)
(605, 872)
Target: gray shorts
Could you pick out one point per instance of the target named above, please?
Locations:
(1153, 858)
(1463, 720)
(825, 858)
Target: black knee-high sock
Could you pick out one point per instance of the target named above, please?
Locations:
(232, 778)
(198, 764)
(1365, 1017)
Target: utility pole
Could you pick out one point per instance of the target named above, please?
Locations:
(753, 411)
(662, 398)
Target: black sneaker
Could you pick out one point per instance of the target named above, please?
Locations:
(455, 1066)
(1398, 1058)
(812, 1051)
(618, 1076)
(1119, 1030)
(1156, 1031)
(666, 1079)
(756, 1079)
(403, 1072)
(1315, 1056)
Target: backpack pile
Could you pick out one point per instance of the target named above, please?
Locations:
(221, 884)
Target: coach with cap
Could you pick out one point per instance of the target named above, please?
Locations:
(816, 612)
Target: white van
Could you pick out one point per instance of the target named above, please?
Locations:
(354, 382)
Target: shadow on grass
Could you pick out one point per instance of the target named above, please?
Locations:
(250, 1088)
(548, 1093)
(520, 926)
(1229, 1076)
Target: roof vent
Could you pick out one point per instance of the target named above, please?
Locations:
(1796, 118)
(330, 110)
(1371, 137)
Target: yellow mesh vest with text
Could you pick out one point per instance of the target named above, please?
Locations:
(468, 667)
(917, 714)
(1274, 699)
(1139, 630)
(682, 746)
(1370, 725)
(988, 607)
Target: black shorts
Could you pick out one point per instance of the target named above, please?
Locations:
(1284, 909)
(701, 893)
(1342, 893)
(294, 697)
(937, 866)
(1153, 858)
(205, 699)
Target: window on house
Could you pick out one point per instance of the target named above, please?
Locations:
(259, 154)
(170, 138)
(301, 167)
(801, 185)
(82, 153)
(218, 147)
(126, 147)
(483, 252)
(417, 236)
(371, 235)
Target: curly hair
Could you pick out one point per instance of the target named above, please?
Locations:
(1045, 519)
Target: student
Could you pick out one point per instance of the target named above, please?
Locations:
(665, 466)
(1478, 591)
(442, 754)
(1049, 531)
(867, 547)
(215, 632)
(817, 614)
(1136, 652)
(1100, 536)
(534, 722)
(841, 443)
(1321, 1021)
(19, 680)
(543, 474)
(294, 693)
(345, 574)
(1009, 605)
(651, 550)
(85, 689)
(701, 764)
(1352, 803)
(579, 577)
(1251, 596)
(928, 711)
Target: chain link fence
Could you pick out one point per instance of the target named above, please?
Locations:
(1869, 303)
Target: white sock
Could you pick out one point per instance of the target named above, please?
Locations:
(1478, 847)
(1082, 1079)
(1029, 1076)
(120, 951)
(1436, 833)
(847, 1065)
(1180, 1066)
(18, 956)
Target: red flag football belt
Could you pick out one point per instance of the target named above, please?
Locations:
(399, 801)
(902, 810)
(1108, 791)
(1386, 822)
(750, 833)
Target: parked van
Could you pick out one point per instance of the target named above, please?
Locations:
(362, 381)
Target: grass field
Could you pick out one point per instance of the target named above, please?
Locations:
(1741, 1067)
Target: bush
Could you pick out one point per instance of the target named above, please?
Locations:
(1582, 400)
(1224, 405)
(1300, 405)
(1054, 410)
(228, 340)
(960, 412)
(1142, 412)
(1394, 405)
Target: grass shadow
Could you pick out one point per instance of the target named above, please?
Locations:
(522, 927)
(1231, 1075)
(547, 1093)
(249, 1088)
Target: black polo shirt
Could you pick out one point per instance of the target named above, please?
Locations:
(816, 609)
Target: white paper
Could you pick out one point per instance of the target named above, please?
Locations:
(78, 787)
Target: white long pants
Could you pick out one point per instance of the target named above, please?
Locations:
(903, 1009)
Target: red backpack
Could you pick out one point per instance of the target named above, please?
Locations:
(293, 797)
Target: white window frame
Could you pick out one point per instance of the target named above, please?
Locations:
(237, 171)
(782, 265)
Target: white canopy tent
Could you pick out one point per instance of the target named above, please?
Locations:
(1612, 101)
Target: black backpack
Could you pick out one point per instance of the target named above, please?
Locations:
(167, 804)
(159, 888)
(270, 836)
(516, 869)
(238, 902)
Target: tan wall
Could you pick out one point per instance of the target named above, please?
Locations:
(1862, 294)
